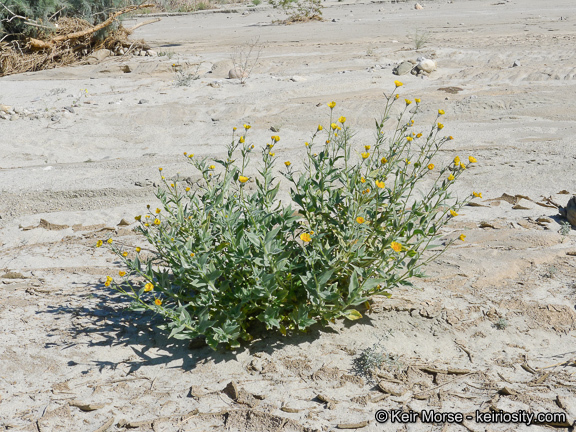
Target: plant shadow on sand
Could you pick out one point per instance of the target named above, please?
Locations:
(111, 319)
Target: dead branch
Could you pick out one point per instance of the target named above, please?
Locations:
(100, 26)
(143, 24)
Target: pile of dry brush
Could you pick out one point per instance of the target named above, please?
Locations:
(71, 41)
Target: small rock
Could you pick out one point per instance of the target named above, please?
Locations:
(237, 74)
(403, 68)
(335, 20)
(125, 68)
(152, 53)
(99, 55)
(14, 117)
(418, 6)
(391, 388)
(142, 53)
(3, 116)
(121, 51)
(426, 65)
(5, 108)
(297, 78)
(55, 118)
(18, 111)
(69, 109)
(516, 63)
(142, 101)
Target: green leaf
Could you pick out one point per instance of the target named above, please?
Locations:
(353, 286)
(351, 314)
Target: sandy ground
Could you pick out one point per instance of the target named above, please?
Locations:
(491, 329)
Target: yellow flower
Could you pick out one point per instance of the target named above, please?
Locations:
(121, 273)
(99, 243)
(431, 167)
(408, 101)
(397, 247)
(234, 128)
(272, 154)
(408, 162)
(440, 126)
(366, 147)
(366, 191)
(409, 138)
(383, 160)
(450, 177)
(305, 237)
(450, 137)
(185, 153)
(453, 213)
(333, 126)
(342, 119)
(276, 138)
(477, 194)
(419, 135)
(417, 100)
(472, 159)
(109, 241)
(252, 146)
(138, 250)
(462, 237)
(320, 127)
(462, 165)
(380, 184)
(158, 210)
(138, 218)
(191, 155)
(332, 105)
(360, 220)
(158, 302)
(365, 155)
(363, 180)
(192, 255)
(306, 144)
(398, 84)
(188, 189)
(148, 287)
(107, 283)
(163, 178)
(441, 112)
(241, 140)
(124, 254)
(146, 224)
(287, 163)
(412, 122)
(156, 221)
(172, 185)
(242, 179)
(212, 167)
(160, 169)
(456, 160)
(247, 126)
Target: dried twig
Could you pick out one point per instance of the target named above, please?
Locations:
(143, 24)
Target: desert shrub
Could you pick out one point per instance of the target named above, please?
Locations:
(43, 12)
(225, 253)
(299, 10)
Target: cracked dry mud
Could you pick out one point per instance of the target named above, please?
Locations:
(491, 328)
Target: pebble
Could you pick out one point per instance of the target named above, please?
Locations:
(14, 117)
(55, 118)
(69, 109)
(143, 101)
(297, 78)
(516, 63)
